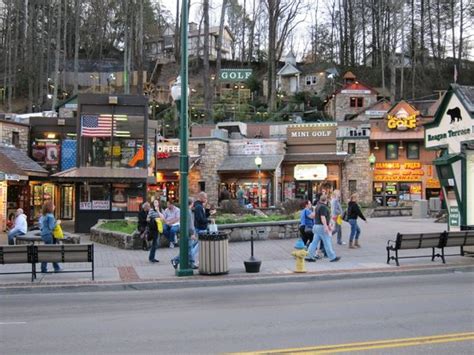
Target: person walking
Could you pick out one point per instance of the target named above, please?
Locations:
(336, 215)
(240, 196)
(171, 227)
(192, 241)
(152, 225)
(322, 232)
(354, 212)
(19, 228)
(47, 223)
(306, 222)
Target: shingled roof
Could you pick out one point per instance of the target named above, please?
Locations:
(14, 161)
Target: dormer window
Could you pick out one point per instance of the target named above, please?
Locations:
(357, 102)
(311, 80)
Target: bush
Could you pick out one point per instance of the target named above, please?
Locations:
(231, 206)
(292, 206)
(120, 226)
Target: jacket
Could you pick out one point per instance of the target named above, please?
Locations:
(353, 211)
(201, 217)
(336, 208)
(21, 224)
(47, 222)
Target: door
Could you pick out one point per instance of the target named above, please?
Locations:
(67, 202)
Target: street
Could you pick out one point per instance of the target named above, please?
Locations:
(245, 318)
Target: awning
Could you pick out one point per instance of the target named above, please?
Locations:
(14, 162)
(447, 159)
(172, 163)
(102, 173)
(236, 163)
(314, 158)
(396, 136)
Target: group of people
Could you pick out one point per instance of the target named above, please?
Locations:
(151, 216)
(321, 220)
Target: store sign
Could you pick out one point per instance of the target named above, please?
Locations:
(454, 216)
(168, 148)
(412, 171)
(235, 74)
(85, 205)
(456, 126)
(52, 154)
(375, 113)
(433, 184)
(253, 147)
(354, 91)
(401, 122)
(310, 172)
(312, 134)
(100, 204)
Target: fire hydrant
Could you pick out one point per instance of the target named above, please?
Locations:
(300, 253)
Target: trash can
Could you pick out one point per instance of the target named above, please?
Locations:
(213, 253)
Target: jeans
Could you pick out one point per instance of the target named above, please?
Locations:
(154, 245)
(338, 230)
(193, 248)
(13, 234)
(306, 235)
(355, 230)
(321, 235)
(48, 239)
(170, 232)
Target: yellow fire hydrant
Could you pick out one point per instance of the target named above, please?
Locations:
(300, 253)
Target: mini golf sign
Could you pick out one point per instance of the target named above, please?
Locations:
(235, 74)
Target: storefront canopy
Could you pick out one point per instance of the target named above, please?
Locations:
(172, 163)
(314, 157)
(247, 163)
(396, 136)
(102, 173)
(14, 162)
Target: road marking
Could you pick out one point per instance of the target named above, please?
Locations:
(11, 323)
(371, 345)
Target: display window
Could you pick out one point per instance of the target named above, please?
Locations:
(41, 193)
(94, 197)
(125, 198)
(163, 191)
(392, 193)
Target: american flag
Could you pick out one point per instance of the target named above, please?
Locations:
(96, 125)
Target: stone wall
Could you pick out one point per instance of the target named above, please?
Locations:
(6, 133)
(356, 167)
(115, 239)
(343, 107)
(261, 231)
(213, 154)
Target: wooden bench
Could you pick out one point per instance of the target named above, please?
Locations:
(64, 253)
(429, 240)
(16, 254)
(416, 241)
(48, 253)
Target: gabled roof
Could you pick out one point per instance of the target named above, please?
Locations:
(14, 161)
(356, 86)
(403, 108)
(349, 75)
(288, 69)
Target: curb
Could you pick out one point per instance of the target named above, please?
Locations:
(225, 280)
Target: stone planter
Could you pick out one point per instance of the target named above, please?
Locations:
(390, 212)
(115, 239)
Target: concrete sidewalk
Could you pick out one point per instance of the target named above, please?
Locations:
(131, 267)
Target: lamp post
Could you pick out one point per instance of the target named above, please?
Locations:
(180, 93)
(258, 163)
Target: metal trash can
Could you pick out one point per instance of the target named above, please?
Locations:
(213, 253)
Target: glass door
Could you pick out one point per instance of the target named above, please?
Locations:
(67, 202)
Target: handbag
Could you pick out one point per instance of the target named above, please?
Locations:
(58, 232)
(339, 219)
(212, 228)
(159, 225)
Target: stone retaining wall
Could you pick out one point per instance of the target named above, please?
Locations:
(115, 239)
(390, 212)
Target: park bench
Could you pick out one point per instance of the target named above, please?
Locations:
(49, 253)
(429, 240)
(416, 241)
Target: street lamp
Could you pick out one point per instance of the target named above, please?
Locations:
(258, 163)
(180, 92)
(372, 160)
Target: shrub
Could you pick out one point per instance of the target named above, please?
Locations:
(292, 206)
(231, 206)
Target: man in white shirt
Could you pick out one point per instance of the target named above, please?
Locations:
(171, 226)
(20, 228)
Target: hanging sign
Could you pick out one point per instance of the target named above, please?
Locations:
(310, 172)
(454, 216)
(235, 74)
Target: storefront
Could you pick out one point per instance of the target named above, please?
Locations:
(311, 163)
(402, 170)
(452, 135)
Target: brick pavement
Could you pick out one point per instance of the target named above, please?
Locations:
(116, 265)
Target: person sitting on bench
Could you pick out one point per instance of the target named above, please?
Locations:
(20, 227)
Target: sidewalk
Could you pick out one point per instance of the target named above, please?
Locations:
(131, 267)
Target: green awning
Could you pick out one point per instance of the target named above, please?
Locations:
(447, 159)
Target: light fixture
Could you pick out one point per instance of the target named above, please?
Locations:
(258, 161)
(176, 89)
(372, 160)
(51, 136)
(376, 146)
(401, 145)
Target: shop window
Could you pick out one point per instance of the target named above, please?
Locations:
(94, 197)
(352, 186)
(351, 148)
(410, 191)
(126, 198)
(413, 150)
(201, 148)
(202, 186)
(356, 101)
(391, 152)
(16, 139)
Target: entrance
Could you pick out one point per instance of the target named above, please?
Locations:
(308, 190)
(67, 202)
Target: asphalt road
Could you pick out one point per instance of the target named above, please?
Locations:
(246, 318)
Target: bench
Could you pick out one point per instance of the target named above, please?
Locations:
(416, 241)
(16, 254)
(48, 253)
(429, 240)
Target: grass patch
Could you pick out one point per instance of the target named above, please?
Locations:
(120, 226)
(231, 218)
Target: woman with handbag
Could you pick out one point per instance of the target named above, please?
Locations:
(48, 224)
(306, 222)
(154, 219)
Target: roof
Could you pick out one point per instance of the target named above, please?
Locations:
(84, 172)
(466, 94)
(14, 161)
(288, 69)
(172, 163)
(349, 75)
(247, 163)
(314, 157)
(394, 136)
